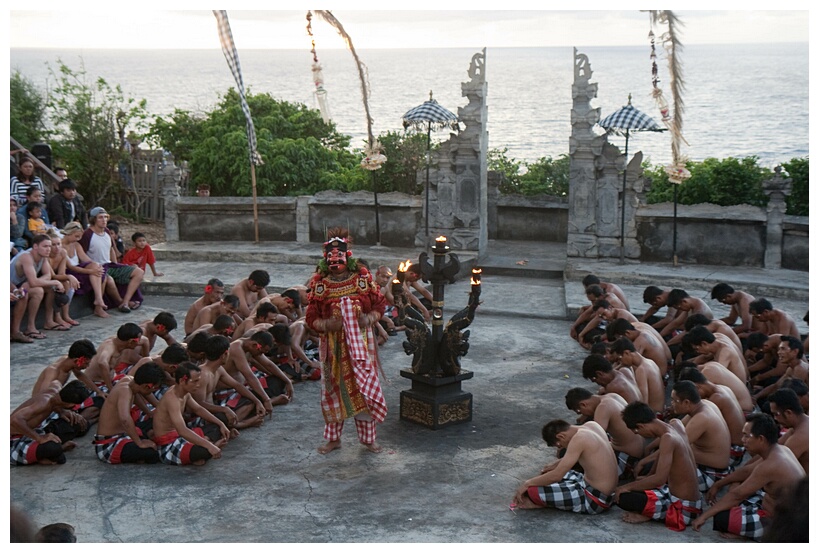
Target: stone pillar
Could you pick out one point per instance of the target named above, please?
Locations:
(777, 189)
(170, 176)
(303, 219)
(458, 189)
(584, 147)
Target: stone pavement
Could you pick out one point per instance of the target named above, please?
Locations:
(450, 485)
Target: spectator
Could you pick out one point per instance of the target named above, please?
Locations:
(65, 206)
(31, 272)
(16, 230)
(113, 226)
(141, 254)
(35, 224)
(33, 195)
(24, 180)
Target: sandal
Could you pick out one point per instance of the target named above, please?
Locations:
(123, 309)
(61, 328)
(21, 338)
(36, 335)
(134, 304)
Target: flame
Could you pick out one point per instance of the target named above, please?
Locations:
(396, 281)
(441, 238)
(477, 271)
(404, 265)
(476, 277)
(474, 282)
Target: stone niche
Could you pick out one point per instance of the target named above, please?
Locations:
(230, 219)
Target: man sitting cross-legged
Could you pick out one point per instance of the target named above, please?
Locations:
(777, 321)
(227, 306)
(740, 303)
(762, 483)
(787, 411)
(29, 444)
(118, 440)
(214, 290)
(669, 492)
(559, 486)
(245, 409)
(646, 340)
(75, 362)
(178, 444)
(716, 347)
(224, 325)
(250, 290)
(599, 370)
(115, 356)
(728, 406)
(646, 373)
(159, 327)
(605, 410)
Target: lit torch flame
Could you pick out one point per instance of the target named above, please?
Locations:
(476, 277)
(404, 265)
(441, 239)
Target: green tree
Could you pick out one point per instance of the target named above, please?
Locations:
(302, 154)
(509, 167)
(405, 158)
(546, 176)
(798, 169)
(27, 111)
(728, 181)
(91, 121)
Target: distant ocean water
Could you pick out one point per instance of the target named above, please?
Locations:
(740, 100)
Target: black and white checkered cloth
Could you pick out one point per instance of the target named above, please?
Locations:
(430, 113)
(628, 119)
(232, 57)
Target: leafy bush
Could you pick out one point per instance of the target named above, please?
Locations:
(798, 169)
(406, 156)
(27, 111)
(544, 176)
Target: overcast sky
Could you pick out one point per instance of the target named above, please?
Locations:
(144, 25)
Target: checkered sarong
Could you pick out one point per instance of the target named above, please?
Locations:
(626, 464)
(746, 518)
(737, 455)
(174, 449)
(361, 354)
(23, 450)
(571, 494)
(708, 476)
(677, 513)
(109, 448)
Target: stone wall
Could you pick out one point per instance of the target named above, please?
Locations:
(231, 219)
(538, 218)
(795, 245)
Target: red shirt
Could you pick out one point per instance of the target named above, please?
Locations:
(140, 258)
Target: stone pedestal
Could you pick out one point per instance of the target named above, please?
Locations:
(436, 402)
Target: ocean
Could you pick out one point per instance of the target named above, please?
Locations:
(740, 100)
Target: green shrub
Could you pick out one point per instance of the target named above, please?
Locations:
(27, 111)
(798, 169)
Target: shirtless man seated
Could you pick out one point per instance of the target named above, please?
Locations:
(740, 303)
(786, 410)
(118, 440)
(608, 287)
(646, 340)
(178, 444)
(587, 327)
(646, 373)
(685, 306)
(715, 326)
(224, 325)
(115, 356)
(773, 470)
(247, 413)
(606, 411)
(229, 305)
(214, 291)
(160, 327)
(599, 370)
(282, 355)
(288, 304)
(75, 362)
(716, 347)
(559, 486)
(657, 298)
(728, 406)
(250, 290)
(791, 357)
(707, 433)
(670, 491)
(29, 445)
(777, 321)
(265, 312)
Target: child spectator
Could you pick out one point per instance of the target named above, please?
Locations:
(35, 224)
(141, 254)
(113, 226)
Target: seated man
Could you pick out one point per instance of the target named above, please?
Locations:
(608, 287)
(224, 325)
(657, 298)
(161, 326)
(250, 290)
(646, 373)
(740, 303)
(118, 439)
(32, 275)
(801, 390)
(777, 321)
(559, 486)
(99, 245)
(718, 374)
(79, 357)
(178, 444)
(29, 444)
(229, 305)
(288, 303)
(265, 312)
(762, 358)
(670, 491)
(599, 370)
(606, 411)
(685, 306)
(115, 356)
(713, 326)
(791, 357)
(728, 406)
(787, 411)
(646, 340)
(282, 356)
(588, 326)
(762, 482)
(214, 290)
(716, 347)
(707, 433)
